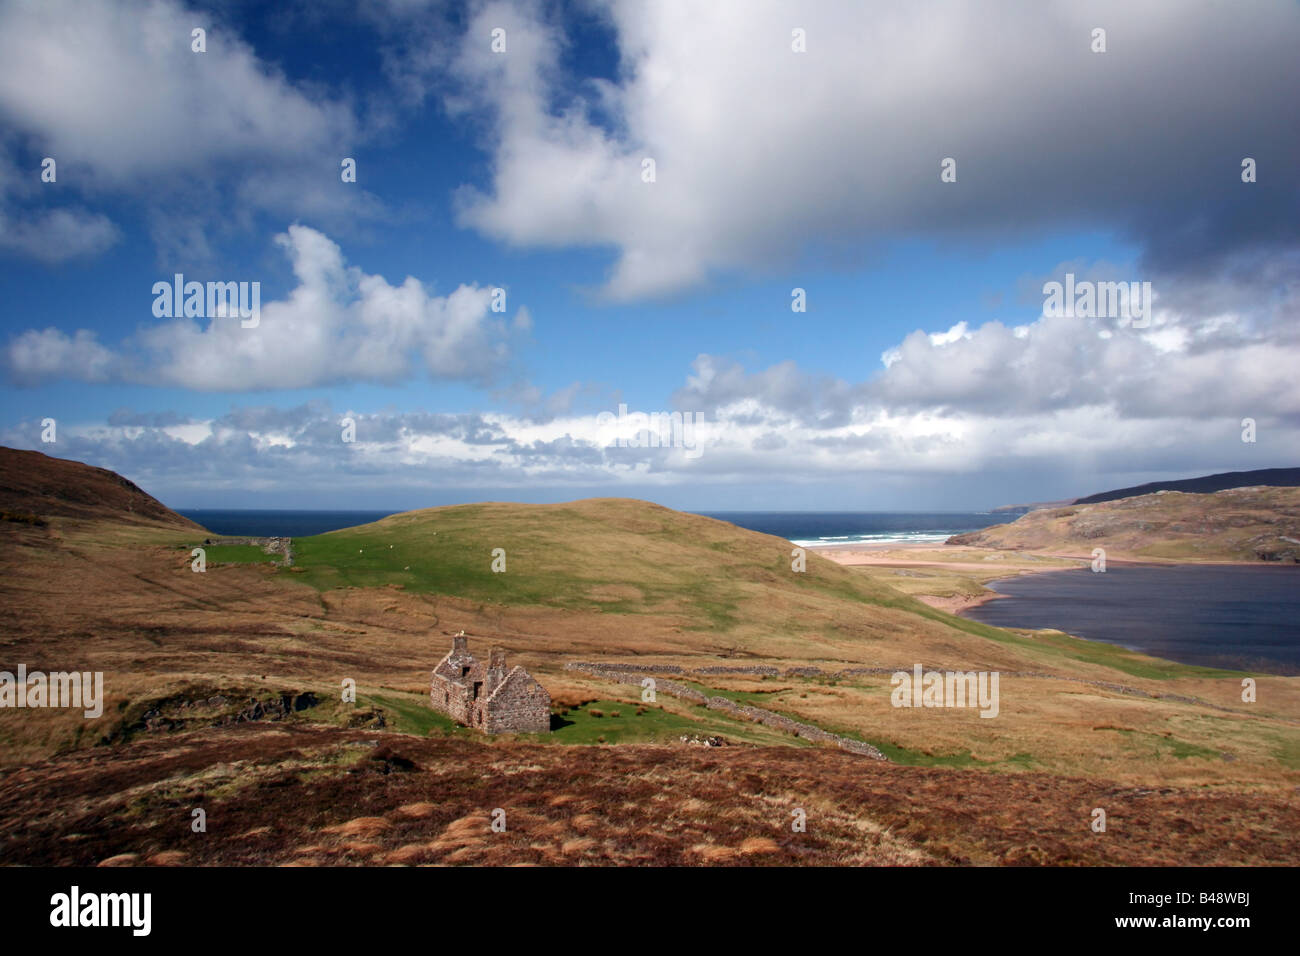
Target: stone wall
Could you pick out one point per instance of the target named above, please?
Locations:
(623, 666)
(519, 705)
(726, 705)
(812, 671)
(505, 702)
(283, 547)
(452, 699)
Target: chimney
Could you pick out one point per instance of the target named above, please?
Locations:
(458, 643)
(496, 670)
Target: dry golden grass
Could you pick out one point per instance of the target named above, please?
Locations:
(360, 826)
(1223, 526)
(578, 846)
(755, 845)
(409, 854)
(168, 858)
(711, 853)
(160, 629)
(360, 847)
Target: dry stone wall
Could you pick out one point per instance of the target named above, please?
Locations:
(274, 546)
(728, 706)
(812, 671)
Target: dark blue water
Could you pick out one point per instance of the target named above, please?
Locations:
(1246, 618)
(281, 524)
(860, 527)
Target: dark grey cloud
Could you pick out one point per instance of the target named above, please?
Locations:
(1144, 140)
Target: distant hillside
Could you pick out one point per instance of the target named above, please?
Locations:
(36, 485)
(1240, 524)
(1270, 477)
(1032, 506)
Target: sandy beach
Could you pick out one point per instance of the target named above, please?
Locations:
(955, 573)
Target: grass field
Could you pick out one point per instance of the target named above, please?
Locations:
(610, 578)
(615, 555)
(237, 554)
(598, 721)
(616, 580)
(222, 689)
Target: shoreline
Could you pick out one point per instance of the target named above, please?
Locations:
(978, 564)
(956, 604)
(981, 566)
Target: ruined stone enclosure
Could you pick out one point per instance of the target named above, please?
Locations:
(487, 697)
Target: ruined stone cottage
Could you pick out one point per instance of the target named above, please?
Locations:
(486, 696)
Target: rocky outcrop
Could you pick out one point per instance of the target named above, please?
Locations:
(189, 710)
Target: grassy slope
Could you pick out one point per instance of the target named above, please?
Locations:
(632, 558)
(733, 588)
(619, 555)
(32, 483)
(629, 557)
(619, 579)
(598, 579)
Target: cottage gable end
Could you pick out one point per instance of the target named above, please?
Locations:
(487, 696)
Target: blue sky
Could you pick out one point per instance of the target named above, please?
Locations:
(923, 375)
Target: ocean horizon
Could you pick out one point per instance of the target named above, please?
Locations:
(803, 528)
(810, 529)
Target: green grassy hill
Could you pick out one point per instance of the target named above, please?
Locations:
(627, 569)
(619, 554)
(613, 555)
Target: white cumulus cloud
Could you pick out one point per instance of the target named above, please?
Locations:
(338, 324)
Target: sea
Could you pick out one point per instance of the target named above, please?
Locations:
(1240, 617)
(804, 528)
(280, 524)
(825, 528)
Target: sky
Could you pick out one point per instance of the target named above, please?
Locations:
(488, 240)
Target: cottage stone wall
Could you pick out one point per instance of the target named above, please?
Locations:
(452, 699)
(280, 546)
(519, 705)
(487, 697)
